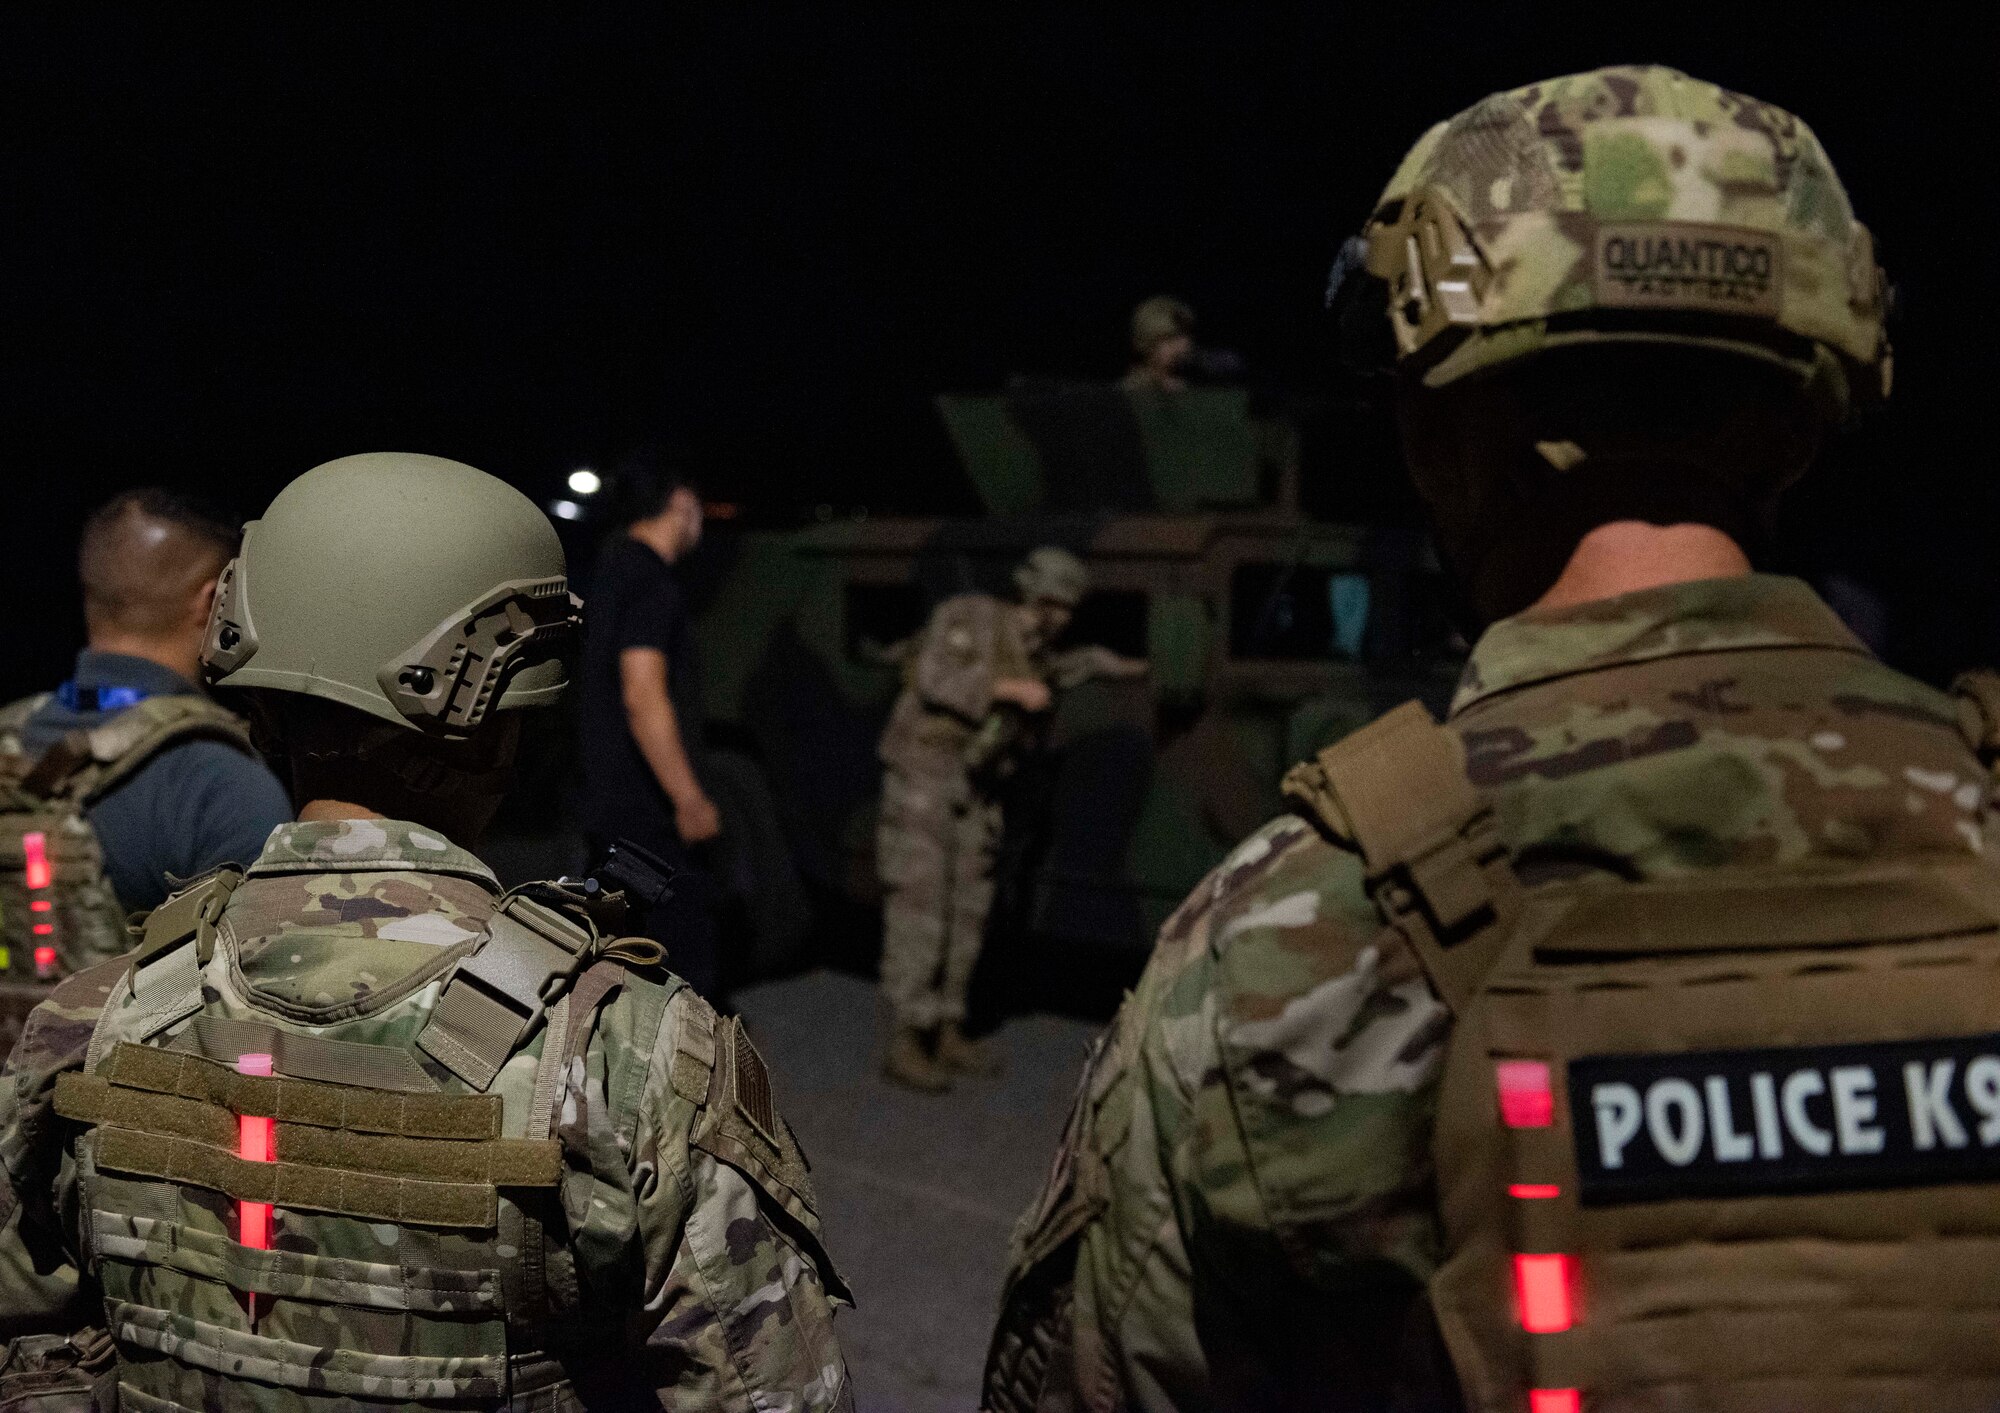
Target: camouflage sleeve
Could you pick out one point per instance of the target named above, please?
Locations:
(739, 1291)
(1246, 1173)
(1100, 1306)
(957, 661)
(37, 1282)
(1307, 1186)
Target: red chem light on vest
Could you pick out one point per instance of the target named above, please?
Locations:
(1534, 1191)
(35, 850)
(1554, 1400)
(1542, 1283)
(253, 1144)
(1527, 1098)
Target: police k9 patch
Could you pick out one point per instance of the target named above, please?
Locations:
(1820, 1118)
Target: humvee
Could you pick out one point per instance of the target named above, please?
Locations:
(1269, 634)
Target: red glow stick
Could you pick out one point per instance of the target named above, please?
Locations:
(1542, 1283)
(1527, 1095)
(254, 1145)
(35, 853)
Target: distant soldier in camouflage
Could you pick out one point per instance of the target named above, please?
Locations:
(1624, 1043)
(1162, 343)
(972, 681)
(355, 1126)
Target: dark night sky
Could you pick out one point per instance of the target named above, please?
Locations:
(240, 242)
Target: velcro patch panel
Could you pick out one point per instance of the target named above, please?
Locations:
(303, 1101)
(504, 1162)
(365, 1195)
(1677, 265)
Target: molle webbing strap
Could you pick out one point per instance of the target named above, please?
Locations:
(303, 1101)
(548, 1073)
(307, 1056)
(570, 1022)
(693, 1067)
(212, 1256)
(137, 734)
(1396, 791)
(57, 765)
(498, 996)
(499, 1162)
(282, 1184)
(527, 1302)
(327, 1377)
(1774, 913)
(593, 989)
(83, 764)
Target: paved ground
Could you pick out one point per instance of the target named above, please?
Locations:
(918, 1192)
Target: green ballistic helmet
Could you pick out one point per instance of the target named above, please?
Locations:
(1052, 573)
(1632, 204)
(1158, 319)
(416, 589)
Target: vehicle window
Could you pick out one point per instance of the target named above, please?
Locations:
(1296, 613)
(1114, 618)
(1299, 613)
(879, 616)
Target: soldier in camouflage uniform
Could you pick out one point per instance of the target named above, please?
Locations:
(356, 1126)
(980, 665)
(1624, 305)
(1162, 342)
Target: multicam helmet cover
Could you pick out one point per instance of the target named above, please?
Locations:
(1628, 203)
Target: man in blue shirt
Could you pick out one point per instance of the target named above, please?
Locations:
(149, 562)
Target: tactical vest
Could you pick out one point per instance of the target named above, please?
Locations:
(1728, 1142)
(389, 1204)
(58, 913)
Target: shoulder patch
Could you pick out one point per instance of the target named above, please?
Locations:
(752, 1084)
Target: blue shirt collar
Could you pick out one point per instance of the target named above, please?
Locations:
(102, 669)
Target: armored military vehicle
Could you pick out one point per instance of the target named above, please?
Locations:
(1269, 633)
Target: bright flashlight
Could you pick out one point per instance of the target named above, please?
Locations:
(585, 482)
(566, 510)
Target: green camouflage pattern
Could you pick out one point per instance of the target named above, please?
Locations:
(1537, 174)
(1244, 1203)
(678, 1258)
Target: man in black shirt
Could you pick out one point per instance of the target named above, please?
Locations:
(642, 715)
